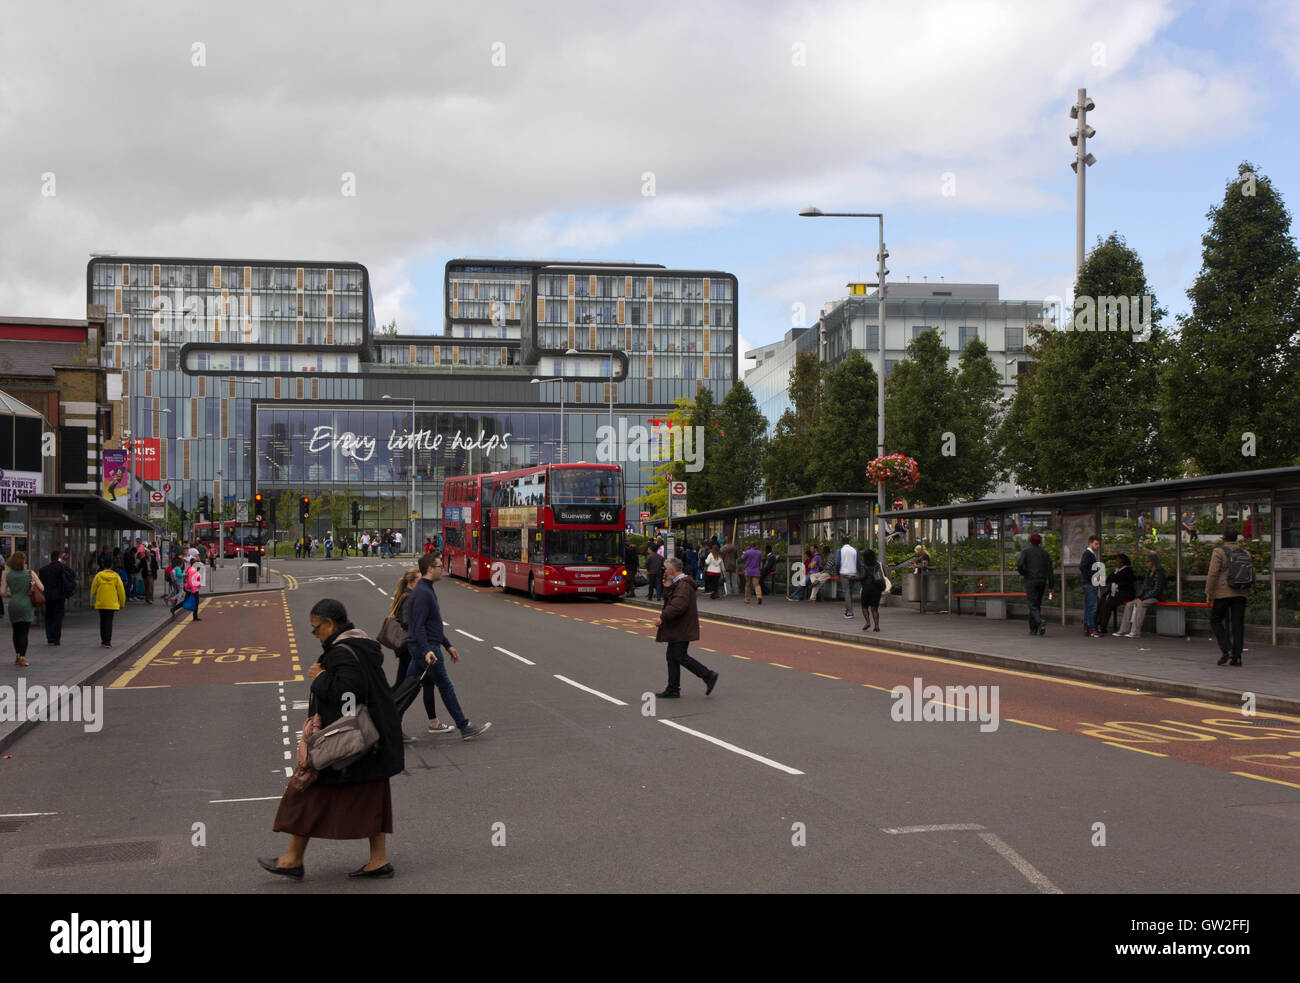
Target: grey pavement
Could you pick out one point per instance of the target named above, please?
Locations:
(1173, 666)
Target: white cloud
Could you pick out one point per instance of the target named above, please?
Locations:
(545, 155)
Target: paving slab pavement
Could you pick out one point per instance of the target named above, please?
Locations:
(1173, 666)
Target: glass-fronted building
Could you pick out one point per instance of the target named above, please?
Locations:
(267, 375)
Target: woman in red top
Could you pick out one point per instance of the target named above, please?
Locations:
(428, 545)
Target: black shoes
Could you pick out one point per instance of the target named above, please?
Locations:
(1235, 662)
(712, 680)
(268, 864)
(385, 871)
(670, 694)
(1224, 659)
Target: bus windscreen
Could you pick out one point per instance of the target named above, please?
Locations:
(577, 486)
(570, 546)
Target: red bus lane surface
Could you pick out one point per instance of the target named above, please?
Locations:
(239, 639)
(1263, 746)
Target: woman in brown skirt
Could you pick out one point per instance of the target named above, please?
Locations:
(354, 803)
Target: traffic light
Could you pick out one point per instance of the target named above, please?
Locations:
(204, 508)
(257, 508)
(356, 513)
(304, 508)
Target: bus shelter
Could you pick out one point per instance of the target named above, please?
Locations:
(82, 525)
(1180, 521)
(789, 525)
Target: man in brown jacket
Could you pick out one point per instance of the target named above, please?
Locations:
(1227, 604)
(679, 625)
(728, 552)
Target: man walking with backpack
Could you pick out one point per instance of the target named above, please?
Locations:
(1231, 576)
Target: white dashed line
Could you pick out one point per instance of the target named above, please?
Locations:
(260, 798)
(731, 747)
(468, 635)
(946, 827)
(513, 656)
(24, 815)
(588, 689)
(371, 582)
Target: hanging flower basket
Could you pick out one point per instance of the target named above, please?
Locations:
(896, 470)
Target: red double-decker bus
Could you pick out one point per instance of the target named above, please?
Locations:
(241, 538)
(557, 529)
(466, 508)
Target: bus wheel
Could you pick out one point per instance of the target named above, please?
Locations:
(532, 589)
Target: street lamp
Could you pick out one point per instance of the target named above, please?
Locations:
(881, 255)
(1079, 138)
(410, 528)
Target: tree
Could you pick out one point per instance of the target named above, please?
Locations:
(980, 405)
(843, 442)
(704, 415)
(286, 510)
(656, 496)
(785, 464)
(1234, 369)
(921, 408)
(388, 330)
(1087, 414)
(337, 505)
(738, 474)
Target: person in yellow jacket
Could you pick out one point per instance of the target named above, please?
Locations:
(107, 596)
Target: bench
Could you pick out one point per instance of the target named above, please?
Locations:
(1171, 616)
(995, 603)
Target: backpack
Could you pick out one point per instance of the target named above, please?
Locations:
(1241, 569)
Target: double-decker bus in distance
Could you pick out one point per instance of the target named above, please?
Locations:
(466, 530)
(241, 538)
(557, 529)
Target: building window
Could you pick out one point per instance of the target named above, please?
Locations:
(889, 366)
(1015, 339)
(873, 337)
(964, 335)
(919, 329)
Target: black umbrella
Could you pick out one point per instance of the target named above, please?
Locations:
(404, 693)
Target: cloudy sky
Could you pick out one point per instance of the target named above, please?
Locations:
(682, 133)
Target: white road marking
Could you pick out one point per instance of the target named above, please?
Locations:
(288, 772)
(287, 755)
(588, 689)
(468, 635)
(24, 815)
(513, 656)
(1021, 864)
(944, 828)
(369, 581)
(262, 798)
(731, 747)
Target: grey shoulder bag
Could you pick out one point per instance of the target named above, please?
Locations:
(345, 741)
